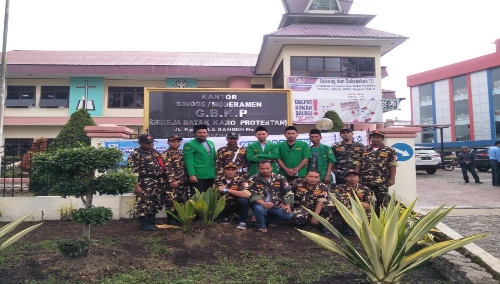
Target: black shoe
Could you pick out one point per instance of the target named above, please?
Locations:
(466, 181)
(325, 231)
(347, 230)
(479, 182)
(146, 225)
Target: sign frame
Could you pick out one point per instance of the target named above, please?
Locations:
(148, 90)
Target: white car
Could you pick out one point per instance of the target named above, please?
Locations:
(427, 159)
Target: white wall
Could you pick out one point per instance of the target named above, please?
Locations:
(442, 94)
(481, 105)
(415, 102)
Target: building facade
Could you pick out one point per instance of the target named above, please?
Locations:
(316, 38)
(463, 95)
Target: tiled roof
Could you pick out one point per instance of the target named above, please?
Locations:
(130, 58)
(320, 30)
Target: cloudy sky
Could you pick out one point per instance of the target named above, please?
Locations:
(441, 32)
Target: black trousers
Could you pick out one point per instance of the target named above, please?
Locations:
(202, 185)
(495, 172)
(470, 168)
(241, 206)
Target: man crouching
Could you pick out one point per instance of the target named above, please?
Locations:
(234, 188)
(313, 195)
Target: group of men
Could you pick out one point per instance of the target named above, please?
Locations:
(275, 180)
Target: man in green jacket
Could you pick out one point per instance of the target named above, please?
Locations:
(199, 157)
(260, 151)
(322, 157)
(293, 155)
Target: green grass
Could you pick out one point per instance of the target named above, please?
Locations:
(156, 246)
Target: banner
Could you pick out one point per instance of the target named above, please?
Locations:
(170, 111)
(356, 100)
(128, 146)
(391, 104)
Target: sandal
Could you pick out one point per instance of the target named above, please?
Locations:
(273, 224)
(262, 230)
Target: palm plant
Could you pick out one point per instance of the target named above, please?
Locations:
(10, 227)
(185, 215)
(208, 204)
(387, 241)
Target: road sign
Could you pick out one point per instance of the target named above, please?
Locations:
(404, 152)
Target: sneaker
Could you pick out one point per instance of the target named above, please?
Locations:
(225, 220)
(242, 225)
(466, 181)
(479, 182)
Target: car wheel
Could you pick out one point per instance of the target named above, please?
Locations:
(484, 169)
(431, 171)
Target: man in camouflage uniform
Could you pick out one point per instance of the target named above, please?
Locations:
(148, 165)
(351, 188)
(376, 165)
(231, 153)
(175, 171)
(344, 153)
(313, 195)
(271, 196)
(234, 188)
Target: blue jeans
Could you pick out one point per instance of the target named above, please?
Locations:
(273, 215)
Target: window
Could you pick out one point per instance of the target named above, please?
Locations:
(17, 146)
(495, 83)
(126, 97)
(54, 97)
(324, 5)
(20, 96)
(278, 78)
(426, 111)
(461, 108)
(332, 66)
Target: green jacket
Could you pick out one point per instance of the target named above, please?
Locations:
(198, 162)
(325, 157)
(270, 153)
(292, 157)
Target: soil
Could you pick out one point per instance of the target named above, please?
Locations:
(119, 247)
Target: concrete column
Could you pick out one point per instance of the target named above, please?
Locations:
(239, 82)
(107, 132)
(406, 179)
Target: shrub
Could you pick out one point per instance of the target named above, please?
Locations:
(208, 205)
(73, 247)
(185, 215)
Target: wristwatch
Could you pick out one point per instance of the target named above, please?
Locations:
(224, 190)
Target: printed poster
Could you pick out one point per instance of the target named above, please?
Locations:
(356, 100)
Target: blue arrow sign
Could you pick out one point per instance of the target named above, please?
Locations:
(404, 152)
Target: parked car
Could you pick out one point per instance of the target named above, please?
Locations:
(426, 158)
(481, 159)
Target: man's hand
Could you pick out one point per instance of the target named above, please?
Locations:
(314, 221)
(221, 188)
(289, 172)
(286, 207)
(138, 190)
(174, 184)
(327, 179)
(366, 206)
(295, 170)
(391, 182)
(193, 179)
(267, 205)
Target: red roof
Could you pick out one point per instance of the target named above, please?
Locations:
(130, 58)
(320, 30)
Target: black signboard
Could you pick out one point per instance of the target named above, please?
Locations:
(171, 111)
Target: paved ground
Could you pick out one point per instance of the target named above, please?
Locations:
(477, 205)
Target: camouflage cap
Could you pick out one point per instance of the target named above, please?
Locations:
(350, 171)
(174, 137)
(230, 165)
(377, 132)
(232, 135)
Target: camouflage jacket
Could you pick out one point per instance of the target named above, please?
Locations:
(344, 156)
(375, 164)
(225, 155)
(309, 197)
(343, 191)
(145, 165)
(278, 190)
(175, 169)
(238, 183)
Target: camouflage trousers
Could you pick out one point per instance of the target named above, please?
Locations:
(150, 201)
(302, 217)
(382, 197)
(179, 194)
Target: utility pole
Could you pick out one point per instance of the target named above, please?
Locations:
(3, 71)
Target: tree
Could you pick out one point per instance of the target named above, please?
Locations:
(38, 146)
(73, 133)
(335, 118)
(83, 172)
